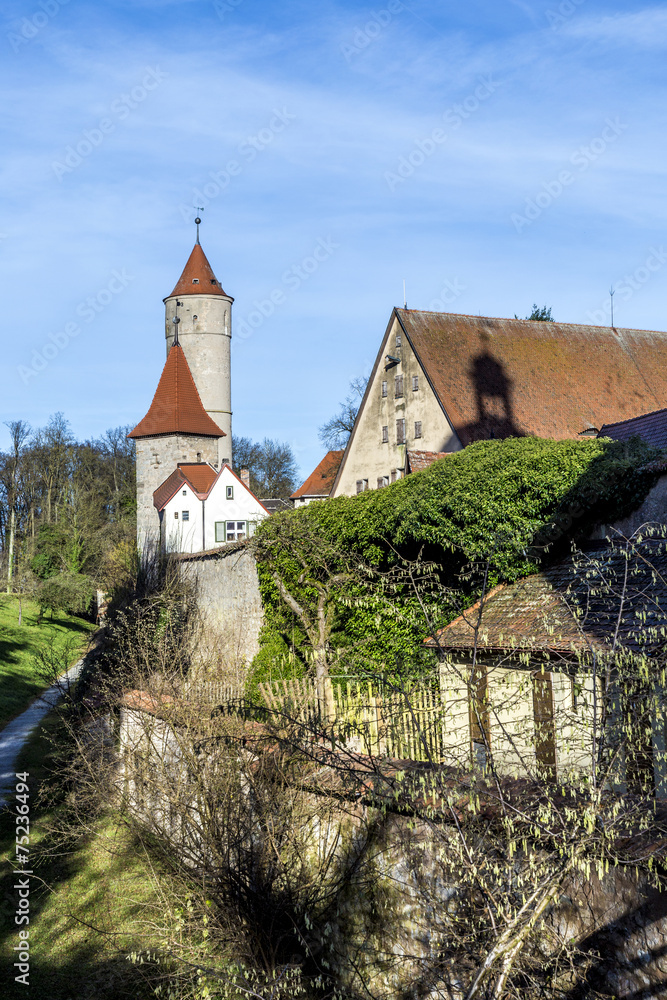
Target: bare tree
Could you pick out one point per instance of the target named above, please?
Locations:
(334, 433)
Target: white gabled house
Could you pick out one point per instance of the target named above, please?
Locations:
(201, 509)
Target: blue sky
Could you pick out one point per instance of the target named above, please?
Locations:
(490, 154)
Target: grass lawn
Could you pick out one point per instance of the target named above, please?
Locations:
(102, 883)
(22, 676)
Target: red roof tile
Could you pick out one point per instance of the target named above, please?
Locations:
(321, 480)
(418, 460)
(200, 475)
(198, 277)
(505, 378)
(176, 406)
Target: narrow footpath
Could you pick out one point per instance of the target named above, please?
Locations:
(15, 734)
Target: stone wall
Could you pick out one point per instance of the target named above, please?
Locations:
(228, 595)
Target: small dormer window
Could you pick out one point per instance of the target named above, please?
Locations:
(195, 281)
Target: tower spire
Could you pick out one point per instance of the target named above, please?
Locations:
(198, 220)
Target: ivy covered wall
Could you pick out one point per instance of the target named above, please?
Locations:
(511, 504)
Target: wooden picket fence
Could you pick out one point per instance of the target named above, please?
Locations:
(368, 717)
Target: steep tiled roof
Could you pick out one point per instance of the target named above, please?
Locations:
(176, 406)
(199, 476)
(569, 609)
(198, 277)
(651, 427)
(321, 480)
(504, 378)
(418, 460)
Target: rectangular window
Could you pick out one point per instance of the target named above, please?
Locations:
(220, 531)
(393, 475)
(398, 340)
(398, 387)
(400, 431)
(176, 514)
(418, 428)
(186, 515)
(384, 388)
(235, 531)
(415, 382)
(385, 434)
(383, 481)
(185, 493)
(229, 492)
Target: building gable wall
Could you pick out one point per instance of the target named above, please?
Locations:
(367, 457)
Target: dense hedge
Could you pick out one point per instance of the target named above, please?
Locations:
(518, 502)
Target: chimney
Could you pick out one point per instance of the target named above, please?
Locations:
(245, 477)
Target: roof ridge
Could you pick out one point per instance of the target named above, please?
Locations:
(542, 323)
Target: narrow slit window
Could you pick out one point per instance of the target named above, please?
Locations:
(384, 388)
(418, 428)
(176, 514)
(385, 434)
(415, 383)
(229, 492)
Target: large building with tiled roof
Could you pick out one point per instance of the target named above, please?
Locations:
(442, 380)
(190, 417)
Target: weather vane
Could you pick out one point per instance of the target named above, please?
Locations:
(198, 208)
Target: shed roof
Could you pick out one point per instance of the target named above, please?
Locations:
(651, 427)
(571, 608)
(176, 407)
(320, 481)
(198, 277)
(508, 378)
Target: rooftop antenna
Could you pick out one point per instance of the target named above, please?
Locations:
(405, 301)
(198, 208)
(611, 296)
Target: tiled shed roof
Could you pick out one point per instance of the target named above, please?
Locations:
(418, 460)
(198, 277)
(507, 378)
(176, 406)
(569, 609)
(651, 427)
(321, 480)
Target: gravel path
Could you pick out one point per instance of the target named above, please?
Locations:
(14, 735)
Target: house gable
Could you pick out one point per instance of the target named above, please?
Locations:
(370, 459)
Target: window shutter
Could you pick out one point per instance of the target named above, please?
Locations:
(385, 434)
(415, 382)
(398, 386)
(418, 428)
(400, 431)
(384, 388)
(360, 485)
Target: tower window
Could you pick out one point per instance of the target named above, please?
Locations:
(195, 281)
(384, 388)
(400, 431)
(415, 382)
(385, 434)
(398, 388)
(214, 281)
(418, 428)
(229, 492)
(186, 515)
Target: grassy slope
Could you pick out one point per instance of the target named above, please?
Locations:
(102, 882)
(22, 677)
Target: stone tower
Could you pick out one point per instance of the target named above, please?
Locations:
(204, 313)
(176, 429)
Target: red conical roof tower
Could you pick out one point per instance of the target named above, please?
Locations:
(197, 277)
(176, 407)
